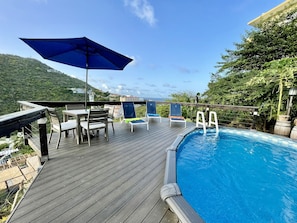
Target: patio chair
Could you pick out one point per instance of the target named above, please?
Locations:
(58, 126)
(97, 119)
(151, 111)
(74, 106)
(129, 116)
(110, 115)
(175, 114)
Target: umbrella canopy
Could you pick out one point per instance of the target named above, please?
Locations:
(79, 52)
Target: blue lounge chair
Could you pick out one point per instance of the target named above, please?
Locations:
(129, 116)
(151, 111)
(175, 114)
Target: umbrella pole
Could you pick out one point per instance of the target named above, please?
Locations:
(86, 89)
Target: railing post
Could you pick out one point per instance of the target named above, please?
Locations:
(43, 139)
(27, 132)
(207, 114)
(255, 114)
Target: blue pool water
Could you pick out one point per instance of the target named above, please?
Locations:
(239, 176)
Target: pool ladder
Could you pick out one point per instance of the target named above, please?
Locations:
(213, 120)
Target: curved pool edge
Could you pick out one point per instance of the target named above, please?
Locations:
(170, 192)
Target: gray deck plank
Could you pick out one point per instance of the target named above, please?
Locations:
(115, 181)
(162, 212)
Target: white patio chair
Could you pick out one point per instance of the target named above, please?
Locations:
(110, 115)
(58, 126)
(97, 119)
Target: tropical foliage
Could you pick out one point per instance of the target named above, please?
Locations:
(260, 71)
(277, 74)
(30, 80)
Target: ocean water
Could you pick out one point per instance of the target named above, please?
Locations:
(156, 99)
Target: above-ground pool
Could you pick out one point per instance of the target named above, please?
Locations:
(238, 176)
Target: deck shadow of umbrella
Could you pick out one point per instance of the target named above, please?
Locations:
(79, 52)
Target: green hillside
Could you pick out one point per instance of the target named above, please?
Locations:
(29, 79)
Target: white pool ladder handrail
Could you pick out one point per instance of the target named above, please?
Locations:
(213, 119)
(202, 122)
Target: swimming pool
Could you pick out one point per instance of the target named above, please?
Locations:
(236, 176)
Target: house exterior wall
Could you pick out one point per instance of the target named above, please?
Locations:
(274, 12)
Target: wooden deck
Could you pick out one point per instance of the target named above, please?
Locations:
(115, 181)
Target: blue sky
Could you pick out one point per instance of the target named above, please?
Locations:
(175, 45)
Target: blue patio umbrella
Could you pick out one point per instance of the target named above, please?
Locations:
(79, 52)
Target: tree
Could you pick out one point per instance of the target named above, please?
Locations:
(277, 75)
(183, 97)
(267, 49)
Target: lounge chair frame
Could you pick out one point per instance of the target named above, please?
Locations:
(175, 114)
(151, 111)
(129, 116)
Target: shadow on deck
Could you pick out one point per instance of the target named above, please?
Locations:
(115, 181)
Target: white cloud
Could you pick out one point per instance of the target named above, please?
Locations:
(119, 89)
(104, 86)
(142, 9)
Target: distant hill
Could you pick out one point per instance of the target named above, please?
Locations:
(29, 79)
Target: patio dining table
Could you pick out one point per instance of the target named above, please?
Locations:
(78, 114)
